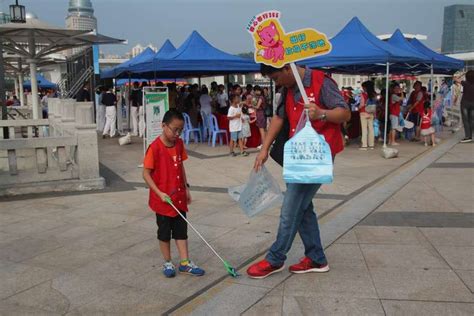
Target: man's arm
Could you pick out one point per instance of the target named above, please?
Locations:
(337, 109)
(276, 124)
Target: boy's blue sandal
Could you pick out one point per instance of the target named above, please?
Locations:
(169, 270)
(192, 269)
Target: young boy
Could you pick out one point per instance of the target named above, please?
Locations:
(164, 173)
(235, 126)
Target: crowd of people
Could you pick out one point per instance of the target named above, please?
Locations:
(411, 116)
(243, 107)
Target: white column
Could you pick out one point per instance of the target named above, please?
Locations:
(387, 94)
(34, 89)
(21, 92)
(34, 82)
(17, 91)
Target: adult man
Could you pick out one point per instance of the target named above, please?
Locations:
(222, 99)
(83, 95)
(136, 102)
(110, 101)
(327, 111)
(416, 107)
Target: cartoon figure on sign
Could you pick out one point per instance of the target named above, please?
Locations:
(275, 47)
(270, 39)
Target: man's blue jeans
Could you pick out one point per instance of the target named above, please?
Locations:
(297, 215)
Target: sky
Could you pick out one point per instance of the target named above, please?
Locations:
(222, 22)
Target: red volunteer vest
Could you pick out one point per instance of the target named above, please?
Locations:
(394, 107)
(419, 108)
(168, 177)
(426, 120)
(365, 97)
(331, 131)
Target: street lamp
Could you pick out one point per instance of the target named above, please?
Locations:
(17, 13)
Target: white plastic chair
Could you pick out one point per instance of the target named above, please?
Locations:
(215, 131)
(189, 129)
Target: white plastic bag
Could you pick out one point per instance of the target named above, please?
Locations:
(125, 140)
(260, 193)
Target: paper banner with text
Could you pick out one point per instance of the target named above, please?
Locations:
(276, 48)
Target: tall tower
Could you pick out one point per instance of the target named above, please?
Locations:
(80, 17)
(458, 26)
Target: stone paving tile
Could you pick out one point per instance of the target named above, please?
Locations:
(300, 305)
(389, 235)
(459, 258)
(19, 277)
(354, 282)
(117, 268)
(225, 299)
(348, 238)
(426, 308)
(68, 258)
(449, 236)
(126, 300)
(61, 294)
(15, 309)
(420, 284)
(25, 248)
(392, 256)
(269, 305)
(467, 276)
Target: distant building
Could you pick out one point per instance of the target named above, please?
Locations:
(80, 17)
(138, 49)
(4, 18)
(458, 29)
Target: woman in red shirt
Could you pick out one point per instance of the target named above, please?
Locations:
(396, 99)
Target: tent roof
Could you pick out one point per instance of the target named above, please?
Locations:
(455, 63)
(42, 82)
(125, 66)
(196, 56)
(356, 47)
(136, 64)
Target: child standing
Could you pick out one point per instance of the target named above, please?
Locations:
(426, 128)
(163, 172)
(235, 126)
(246, 121)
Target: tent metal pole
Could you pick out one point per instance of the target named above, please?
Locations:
(386, 106)
(129, 93)
(432, 86)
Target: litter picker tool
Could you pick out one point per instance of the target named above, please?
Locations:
(231, 270)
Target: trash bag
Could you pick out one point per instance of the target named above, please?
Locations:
(376, 128)
(125, 140)
(260, 193)
(307, 158)
(388, 152)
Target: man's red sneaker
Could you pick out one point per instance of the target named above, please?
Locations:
(307, 265)
(262, 269)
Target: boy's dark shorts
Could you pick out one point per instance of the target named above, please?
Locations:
(171, 227)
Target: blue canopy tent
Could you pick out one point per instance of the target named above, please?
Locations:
(42, 83)
(441, 61)
(356, 50)
(149, 63)
(197, 57)
(124, 67)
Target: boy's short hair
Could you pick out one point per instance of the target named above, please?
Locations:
(171, 115)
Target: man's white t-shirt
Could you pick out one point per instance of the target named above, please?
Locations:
(235, 125)
(222, 99)
(205, 101)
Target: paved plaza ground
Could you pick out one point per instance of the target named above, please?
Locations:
(399, 237)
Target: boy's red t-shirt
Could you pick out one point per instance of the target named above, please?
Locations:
(149, 161)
